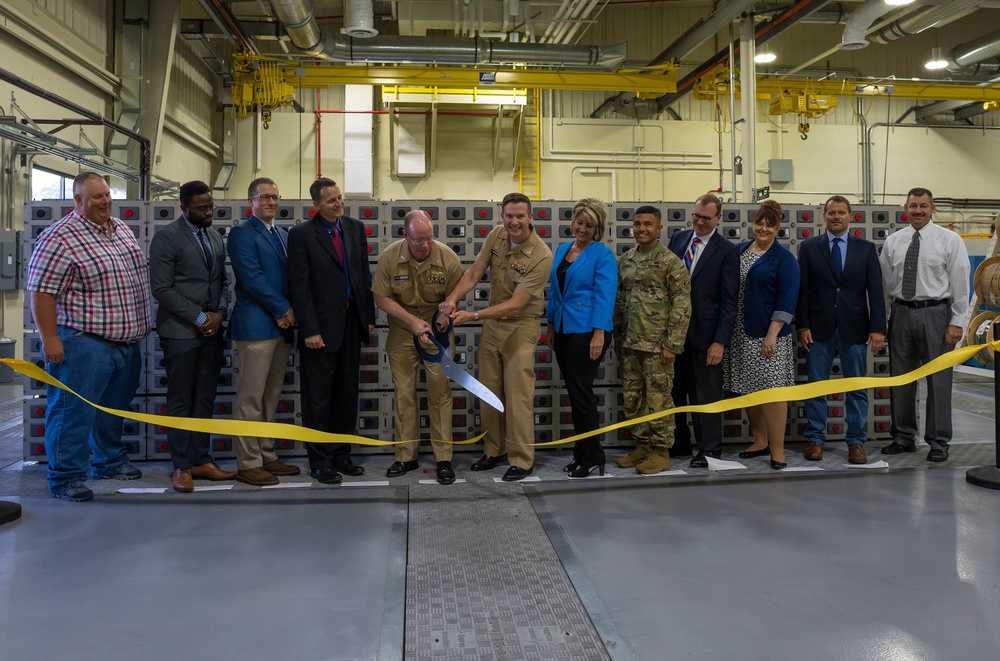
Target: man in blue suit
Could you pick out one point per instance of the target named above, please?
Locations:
(262, 329)
(713, 265)
(841, 309)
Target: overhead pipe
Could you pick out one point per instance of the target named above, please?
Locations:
(228, 23)
(860, 21)
(971, 58)
(359, 19)
(303, 30)
(934, 17)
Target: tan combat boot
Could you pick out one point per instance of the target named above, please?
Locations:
(657, 462)
(634, 458)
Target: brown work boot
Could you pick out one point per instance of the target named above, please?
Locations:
(634, 458)
(278, 467)
(257, 477)
(657, 462)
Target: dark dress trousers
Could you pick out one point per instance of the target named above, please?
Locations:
(715, 286)
(184, 286)
(317, 282)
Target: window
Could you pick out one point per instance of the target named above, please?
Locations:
(49, 185)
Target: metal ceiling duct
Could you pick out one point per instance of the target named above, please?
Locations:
(971, 58)
(934, 17)
(304, 31)
(860, 21)
(359, 19)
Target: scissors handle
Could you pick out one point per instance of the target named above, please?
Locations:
(440, 338)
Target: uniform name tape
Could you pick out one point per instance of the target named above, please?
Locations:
(307, 435)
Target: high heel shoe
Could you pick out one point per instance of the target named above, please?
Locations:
(571, 466)
(778, 465)
(586, 471)
(750, 454)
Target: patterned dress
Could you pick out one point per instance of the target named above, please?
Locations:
(747, 370)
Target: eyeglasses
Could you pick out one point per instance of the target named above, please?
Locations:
(267, 198)
(700, 218)
(420, 242)
(205, 208)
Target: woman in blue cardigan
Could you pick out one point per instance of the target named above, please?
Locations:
(581, 300)
(761, 354)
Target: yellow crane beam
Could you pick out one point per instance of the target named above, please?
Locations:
(319, 76)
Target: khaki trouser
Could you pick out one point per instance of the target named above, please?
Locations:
(261, 365)
(404, 362)
(507, 367)
(646, 388)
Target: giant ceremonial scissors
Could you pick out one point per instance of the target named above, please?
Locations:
(442, 340)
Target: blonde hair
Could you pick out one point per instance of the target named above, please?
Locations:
(594, 210)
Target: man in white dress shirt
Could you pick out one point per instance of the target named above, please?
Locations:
(925, 268)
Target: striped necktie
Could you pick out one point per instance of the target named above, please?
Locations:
(691, 252)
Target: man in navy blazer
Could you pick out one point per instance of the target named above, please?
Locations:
(713, 264)
(841, 309)
(262, 329)
(330, 285)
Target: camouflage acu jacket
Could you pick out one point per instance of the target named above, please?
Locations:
(653, 305)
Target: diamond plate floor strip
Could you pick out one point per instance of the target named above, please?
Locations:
(484, 582)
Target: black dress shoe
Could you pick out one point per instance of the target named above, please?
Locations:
(699, 461)
(514, 474)
(778, 465)
(401, 468)
(898, 448)
(486, 462)
(938, 455)
(348, 467)
(326, 475)
(445, 473)
(750, 454)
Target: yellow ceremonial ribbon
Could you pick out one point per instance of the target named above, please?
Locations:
(307, 435)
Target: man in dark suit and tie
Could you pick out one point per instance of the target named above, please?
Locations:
(713, 265)
(262, 329)
(330, 285)
(187, 272)
(841, 309)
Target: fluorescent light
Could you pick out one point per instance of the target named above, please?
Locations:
(936, 61)
(765, 58)
(897, 3)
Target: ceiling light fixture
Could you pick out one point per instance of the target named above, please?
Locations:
(765, 57)
(936, 61)
(899, 3)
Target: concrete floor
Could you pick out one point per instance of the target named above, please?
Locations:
(892, 563)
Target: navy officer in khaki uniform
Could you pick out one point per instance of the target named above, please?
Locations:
(519, 263)
(412, 278)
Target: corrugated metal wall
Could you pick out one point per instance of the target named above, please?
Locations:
(90, 19)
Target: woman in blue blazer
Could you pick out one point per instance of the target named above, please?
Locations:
(582, 290)
(761, 354)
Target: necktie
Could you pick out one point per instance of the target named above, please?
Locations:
(205, 248)
(691, 252)
(910, 268)
(277, 240)
(838, 258)
(337, 245)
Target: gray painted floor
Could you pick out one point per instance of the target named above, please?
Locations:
(892, 563)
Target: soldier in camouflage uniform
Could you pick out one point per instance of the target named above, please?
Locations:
(652, 311)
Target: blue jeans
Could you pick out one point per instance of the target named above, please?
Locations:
(104, 375)
(853, 363)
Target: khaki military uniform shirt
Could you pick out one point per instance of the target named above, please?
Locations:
(415, 286)
(517, 268)
(653, 305)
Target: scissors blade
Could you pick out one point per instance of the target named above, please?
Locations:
(469, 382)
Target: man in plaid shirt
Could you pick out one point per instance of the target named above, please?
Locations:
(89, 285)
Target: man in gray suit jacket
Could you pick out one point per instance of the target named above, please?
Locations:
(187, 270)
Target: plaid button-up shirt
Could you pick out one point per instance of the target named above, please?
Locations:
(100, 282)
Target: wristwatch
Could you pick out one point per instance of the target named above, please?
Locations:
(475, 316)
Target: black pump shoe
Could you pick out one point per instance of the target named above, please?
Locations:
(750, 454)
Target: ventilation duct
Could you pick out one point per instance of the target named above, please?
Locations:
(859, 21)
(972, 58)
(934, 17)
(304, 31)
(359, 19)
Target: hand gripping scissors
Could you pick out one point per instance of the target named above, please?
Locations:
(442, 340)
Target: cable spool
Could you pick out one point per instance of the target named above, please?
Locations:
(981, 332)
(987, 282)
